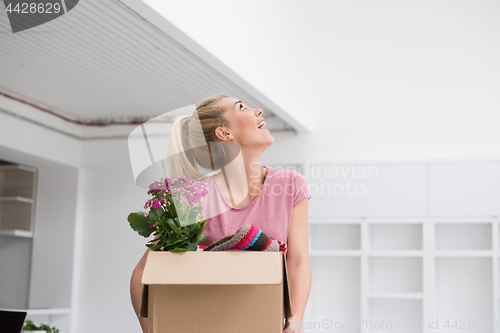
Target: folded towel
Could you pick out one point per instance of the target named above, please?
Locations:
(248, 238)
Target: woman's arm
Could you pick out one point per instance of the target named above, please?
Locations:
(298, 266)
(136, 290)
(136, 287)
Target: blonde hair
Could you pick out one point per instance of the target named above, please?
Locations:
(189, 148)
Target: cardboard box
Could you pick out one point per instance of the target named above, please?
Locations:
(215, 292)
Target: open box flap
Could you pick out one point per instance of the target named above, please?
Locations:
(286, 290)
(144, 302)
(217, 267)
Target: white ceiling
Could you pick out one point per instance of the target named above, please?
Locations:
(114, 61)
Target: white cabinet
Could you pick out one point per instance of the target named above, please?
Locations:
(335, 294)
(367, 190)
(464, 189)
(404, 270)
(37, 245)
(17, 197)
(464, 236)
(388, 315)
(15, 265)
(395, 236)
(17, 193)
(325, 237)
(422, 245)
(464, 290)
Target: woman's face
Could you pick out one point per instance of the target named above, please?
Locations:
(243, 125)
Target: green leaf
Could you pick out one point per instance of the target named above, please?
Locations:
(177, 249)
(164, 224)
(153, 247)
(201, 237)
(192, 247)
(177, 222)
(152, 215)
(140, 224)
(164, 241)
(174, 203)
(138, 216)
(193, 229)
(197, 209)
(30, 326)
(193, 214)
(156, 212)
(168, 213)
(202, 225)
(174, 227)
(185, 218)
(172, 242)
(178, 244)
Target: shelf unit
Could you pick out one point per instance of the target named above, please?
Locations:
(17, 198)
(407, 266)
(36, 245)
(17, 210)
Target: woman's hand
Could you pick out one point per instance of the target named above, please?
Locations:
(293, 325)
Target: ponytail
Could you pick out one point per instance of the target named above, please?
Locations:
(179, 164)
(193, 143)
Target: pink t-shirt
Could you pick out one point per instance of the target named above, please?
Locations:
(271, 210)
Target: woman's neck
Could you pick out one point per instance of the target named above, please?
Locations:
(241, 180)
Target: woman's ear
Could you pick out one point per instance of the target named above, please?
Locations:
(222, 134)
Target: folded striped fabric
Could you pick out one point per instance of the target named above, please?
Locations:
(248, 238)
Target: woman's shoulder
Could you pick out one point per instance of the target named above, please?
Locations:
(282, 174)
(291, 182)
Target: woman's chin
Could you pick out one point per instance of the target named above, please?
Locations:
(268, 131)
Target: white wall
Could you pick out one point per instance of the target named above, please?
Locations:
(48, 278)
(53, 242)
(108, 248)
(27, 142)
(377, 80)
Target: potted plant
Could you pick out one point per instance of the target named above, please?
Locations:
(173, 215)
(30, 327)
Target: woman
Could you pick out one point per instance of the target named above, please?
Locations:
(244, 192)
